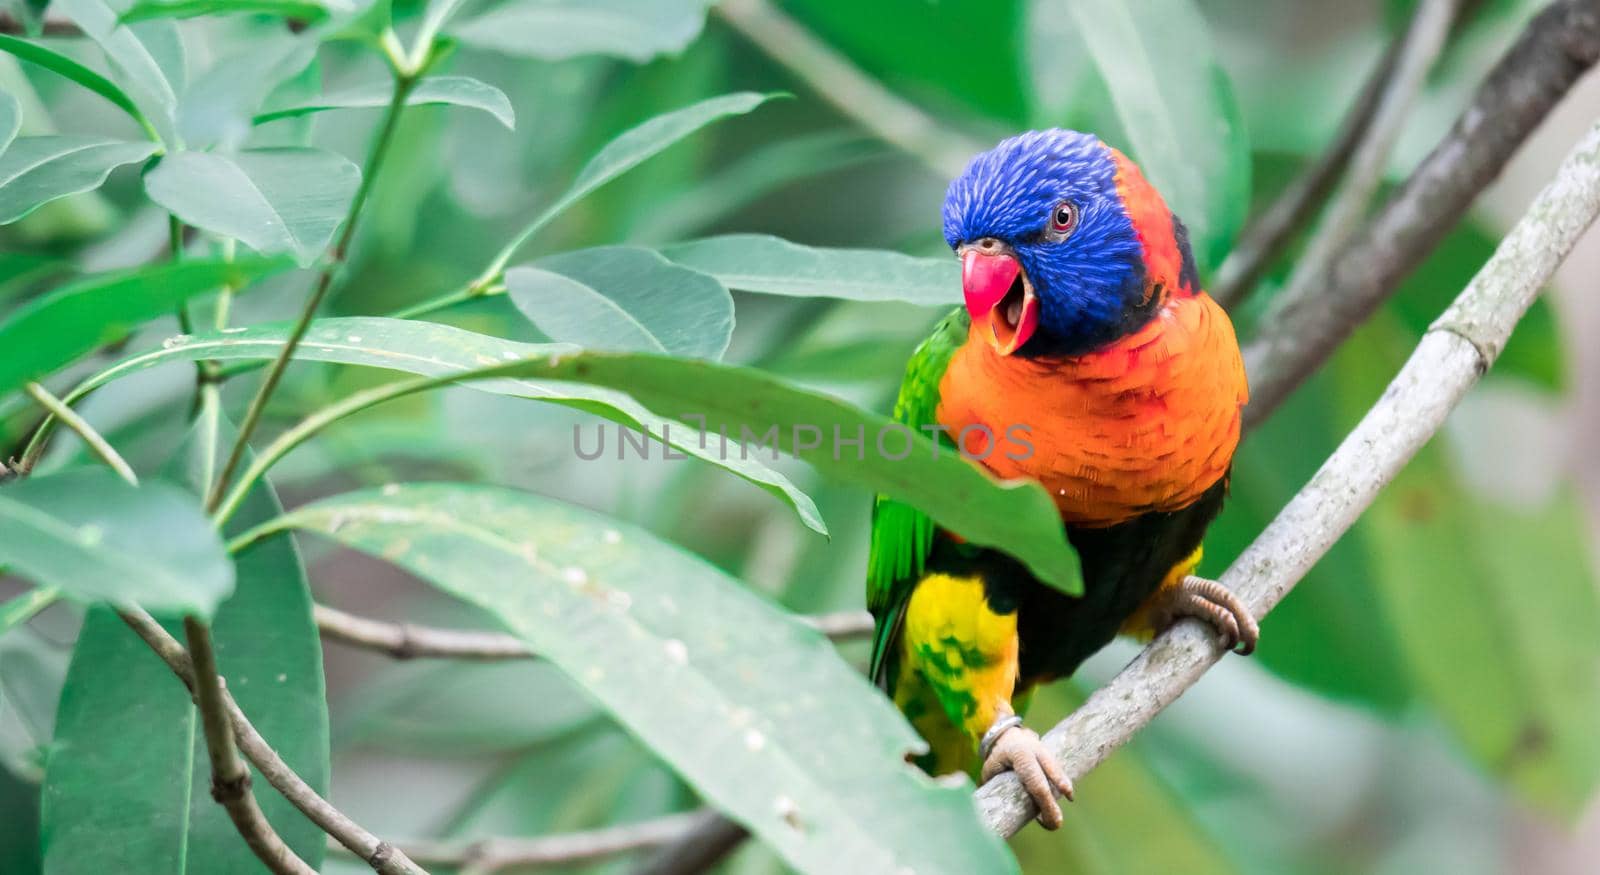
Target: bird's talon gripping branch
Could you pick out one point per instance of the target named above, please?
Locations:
(1019, 749)
(1213, 603)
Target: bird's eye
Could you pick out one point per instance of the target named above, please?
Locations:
(1064, 217)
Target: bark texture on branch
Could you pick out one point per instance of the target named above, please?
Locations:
(1453, 354)
(1301, 331)
(383, 857)
(411, 641)
(1267, 234)
(498, 853)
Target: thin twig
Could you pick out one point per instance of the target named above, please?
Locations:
(382, 856)
(497, 853)
(1266, 235)
(411, 641)
(853, 93)
(403, 83)
(1343, 217)
(1457, 349)
(95, 441)
(230, 777)
(706, 845)
(1553, 51)
(10, 25)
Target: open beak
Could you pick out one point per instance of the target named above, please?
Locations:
(999, 295)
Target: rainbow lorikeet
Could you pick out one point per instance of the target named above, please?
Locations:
(1085, 326)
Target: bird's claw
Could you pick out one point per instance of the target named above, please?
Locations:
(1019, 750)
(1213, 603)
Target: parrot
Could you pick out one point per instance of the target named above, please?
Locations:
(1089, 353)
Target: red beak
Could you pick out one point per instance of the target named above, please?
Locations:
(998, 295)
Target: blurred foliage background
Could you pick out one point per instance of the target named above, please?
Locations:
(1426, 701)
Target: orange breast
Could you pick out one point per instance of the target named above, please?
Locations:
(1148, 423)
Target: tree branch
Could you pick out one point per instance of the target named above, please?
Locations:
(698, 849)
(10, 25)
(489, 855)
(1264, 237)
(410, 641)
(382, 856)
(404, 82)
(1453, 354)
(1343, 217)
(1298, 334)
(95, 441)
(230, 778)
(853, 93)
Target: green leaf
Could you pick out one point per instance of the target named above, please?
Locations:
(631, 148)
(452, 90)
(65, 66)
(625, 298)
(274, 200)
(148, 58)
(298, 10)
(10, 120)
(1177, 110)
(752, 707)
(774, 266)
(37, 170)
(55, 329)
(119, 782)
(126, 786)
(555, 30)
(432, 349)
(98, 539)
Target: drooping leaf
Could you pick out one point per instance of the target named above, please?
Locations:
(61, 64)
(755, 709)
(126, 785)
(122, 712)
(756, 409)
(774, 266)
(433, 350)
(1177, 110)
(98, 539)
(452, 90)
(554, 30)
(636, 145)
(37, 170)
(57, 328)
(297, 10)
(274, 200)
(147, 56)
(625, 298)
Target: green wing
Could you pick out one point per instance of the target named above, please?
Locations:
(902, 536)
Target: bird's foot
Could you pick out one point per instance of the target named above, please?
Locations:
(1213, 603)
(1016, 748)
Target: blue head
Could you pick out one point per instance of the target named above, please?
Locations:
(1052, 255)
